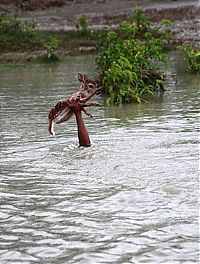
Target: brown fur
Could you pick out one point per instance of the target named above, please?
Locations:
(63, 110)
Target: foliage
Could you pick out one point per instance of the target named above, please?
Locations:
(81, 24)
(15, 35)
(192, 55)
(13, 30)
(51, 46)
(141, 21)
(15, 26)
(128, 59)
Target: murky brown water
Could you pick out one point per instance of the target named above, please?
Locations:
(130, 198)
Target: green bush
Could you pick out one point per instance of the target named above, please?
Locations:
(16, 35)
(14, 32)
(15, 26)
(81, 25)
(192, 55)
(127, 60)
(51, 46)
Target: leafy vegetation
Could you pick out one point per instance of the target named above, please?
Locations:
(51, 46)
(18, 35)
(128, 59)
(81, 25)
(15, 33)
(192, 56)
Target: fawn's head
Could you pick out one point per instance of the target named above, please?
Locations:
(87, 85)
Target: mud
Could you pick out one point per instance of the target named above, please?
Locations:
(61, 15)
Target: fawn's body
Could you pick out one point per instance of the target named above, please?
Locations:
(75, 104)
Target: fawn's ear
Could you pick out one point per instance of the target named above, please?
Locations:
(82, 77)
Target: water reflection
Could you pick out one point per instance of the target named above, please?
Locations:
(130, 198)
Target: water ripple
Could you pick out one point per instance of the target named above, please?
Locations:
(132, 197)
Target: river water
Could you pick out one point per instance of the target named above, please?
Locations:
(132, 197)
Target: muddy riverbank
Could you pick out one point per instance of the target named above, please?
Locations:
(60, 16)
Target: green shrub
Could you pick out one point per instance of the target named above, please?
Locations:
(127, 60)
(51, 46)
(16, 26)
(192, 55)
(81, 24)
(14, 32)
